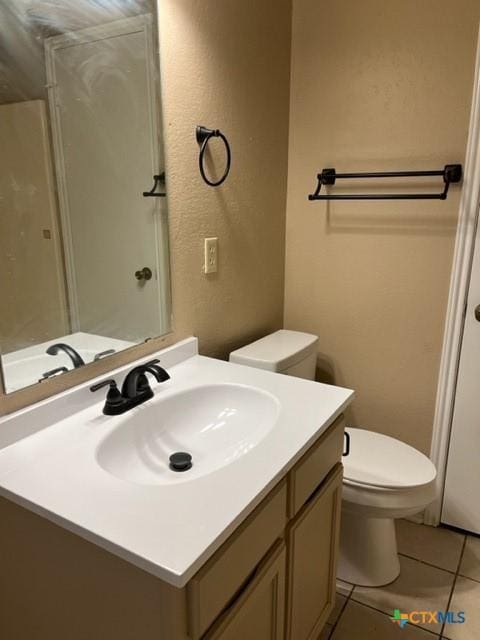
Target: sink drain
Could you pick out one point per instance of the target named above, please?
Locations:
(180, 461)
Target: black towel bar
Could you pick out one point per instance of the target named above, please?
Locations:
(451, 173)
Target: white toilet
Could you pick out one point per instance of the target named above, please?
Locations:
(384, 478)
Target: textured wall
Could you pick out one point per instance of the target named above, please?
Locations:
(377, 86)
(226, 65)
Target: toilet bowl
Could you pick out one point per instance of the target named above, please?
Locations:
(384, 478)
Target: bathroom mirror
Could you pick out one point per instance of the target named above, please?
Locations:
(84, 268)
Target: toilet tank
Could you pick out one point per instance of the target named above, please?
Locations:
(291, 352)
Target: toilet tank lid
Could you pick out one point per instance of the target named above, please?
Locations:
(277, 351)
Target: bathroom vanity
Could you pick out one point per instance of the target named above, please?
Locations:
(100, 539)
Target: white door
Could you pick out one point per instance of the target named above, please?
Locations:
(103, 100)
(461, 503)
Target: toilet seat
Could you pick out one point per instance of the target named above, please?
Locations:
(377, 461)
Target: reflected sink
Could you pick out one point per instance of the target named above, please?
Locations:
(26, 371)
(217, 424)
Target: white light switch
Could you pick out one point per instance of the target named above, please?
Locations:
(211, 255)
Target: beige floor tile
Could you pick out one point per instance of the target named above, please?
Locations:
(466, 597)
(362, 623)
(326, 631)
(418, 588)
(339, 602)
(344, 587)
(470, 566)
(437, 546)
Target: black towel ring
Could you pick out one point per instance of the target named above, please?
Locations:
(203, 136)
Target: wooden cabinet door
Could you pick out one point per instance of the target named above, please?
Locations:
(312, 552)
(214, 586)
(259, 611)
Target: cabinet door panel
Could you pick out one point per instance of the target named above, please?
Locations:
(312, 551)
(260, 610)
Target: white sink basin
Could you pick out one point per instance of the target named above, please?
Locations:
(216, 424)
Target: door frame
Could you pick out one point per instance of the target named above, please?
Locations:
(457, 300)
(142, 23)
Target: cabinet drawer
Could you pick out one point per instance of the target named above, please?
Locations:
(311, 470)
(259, 611)
(212, 588)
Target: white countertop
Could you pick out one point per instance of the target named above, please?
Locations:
(167, 530)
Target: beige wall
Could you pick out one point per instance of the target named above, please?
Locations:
(225, 65)
(377, 86)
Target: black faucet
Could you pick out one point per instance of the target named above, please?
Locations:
(74, 356)
(135, 388)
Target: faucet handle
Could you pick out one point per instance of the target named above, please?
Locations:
(100, 385)
(103, 354)
(150, 362)
(53, 373)
(159, 372)
(114, 399)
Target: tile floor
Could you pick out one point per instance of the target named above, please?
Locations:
(440, 571)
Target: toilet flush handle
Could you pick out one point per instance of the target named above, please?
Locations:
(347, 444)
(477, 312)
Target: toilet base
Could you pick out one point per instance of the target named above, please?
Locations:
(368, 550)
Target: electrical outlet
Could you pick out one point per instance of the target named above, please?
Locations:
(211, 255)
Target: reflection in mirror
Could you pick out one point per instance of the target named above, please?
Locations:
(84, 266)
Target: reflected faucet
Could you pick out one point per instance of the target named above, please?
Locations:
(74, 356)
